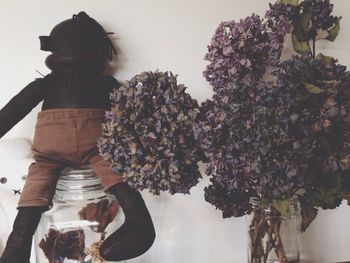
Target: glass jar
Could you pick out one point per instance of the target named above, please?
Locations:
(82, 216)
(273, 236)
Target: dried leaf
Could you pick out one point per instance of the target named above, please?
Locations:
(58, 245)
(308, 213)
(94, 252)
(102, 212)
(312, 88)
(290, 2)
(333, 32)
(301, 47)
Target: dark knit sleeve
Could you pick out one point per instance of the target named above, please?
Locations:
(111, 83)
(20, 105)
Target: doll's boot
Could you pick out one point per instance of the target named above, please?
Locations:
(19, 243)
(137, 234)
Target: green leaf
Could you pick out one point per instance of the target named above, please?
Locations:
(325, 59)
(308, 213)
(324, 197)
(312, 88)
(290, 2)
(299, 31)
(333, 32)
(326, 191)
(282, 206)
(300, 47)
(305, 20)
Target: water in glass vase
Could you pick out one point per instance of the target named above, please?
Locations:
(273, 237)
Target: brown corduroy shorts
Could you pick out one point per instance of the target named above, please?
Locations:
(64, 138)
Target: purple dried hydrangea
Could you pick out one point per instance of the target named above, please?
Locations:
(321, 18)
(241, 50)
(320, 89)
(280, 17)
(230, 202)
(148, 134)
(279, 20)
(308, 21)
(270, 140)
(244, 135)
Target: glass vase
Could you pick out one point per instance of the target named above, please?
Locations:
(82, 216)
(273, 237)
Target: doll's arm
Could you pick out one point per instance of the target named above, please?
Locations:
(112, 83)
(20, 105)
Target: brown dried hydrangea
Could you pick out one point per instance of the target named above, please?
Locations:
(59, 245)
(94, 252)
(148, 134)
(102, 212)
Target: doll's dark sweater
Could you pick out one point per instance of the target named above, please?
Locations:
(58, 90)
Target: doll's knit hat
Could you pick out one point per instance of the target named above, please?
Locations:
(78, 40)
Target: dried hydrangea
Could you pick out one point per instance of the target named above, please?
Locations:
(279, 19)
(240, 50)
(320, 89)
(148, 134)
(103, 212)
(281, 15)
(321, 18)
(308, 21)
(230, 202)
(270, 139)
(243, 134)
(265, 140)
(59, 246)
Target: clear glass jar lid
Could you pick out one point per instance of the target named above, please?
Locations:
(78, 184)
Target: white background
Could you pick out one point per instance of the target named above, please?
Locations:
(164, 35)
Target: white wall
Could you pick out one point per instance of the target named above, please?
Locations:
(165, 35)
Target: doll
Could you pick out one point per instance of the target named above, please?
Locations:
(75, 96)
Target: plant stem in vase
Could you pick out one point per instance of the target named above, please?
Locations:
(273, 237)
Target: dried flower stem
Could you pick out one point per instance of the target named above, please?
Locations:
(266, 227)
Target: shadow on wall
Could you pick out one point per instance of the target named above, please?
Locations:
(1, 247)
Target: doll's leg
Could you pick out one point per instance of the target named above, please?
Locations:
(19, 243)
(35, 199)
(137, 234)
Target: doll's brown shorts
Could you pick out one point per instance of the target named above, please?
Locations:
(64, 138)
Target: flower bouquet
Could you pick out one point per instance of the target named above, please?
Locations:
(276, 131)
